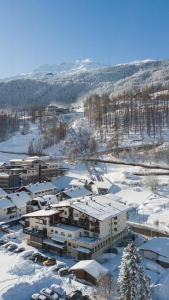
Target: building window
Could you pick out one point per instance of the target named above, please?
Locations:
(69, 244)
(44, 222)
(56, 231)
(115, 218)
(51, 230)
(69, 235)
(62, 233)
(115, 229)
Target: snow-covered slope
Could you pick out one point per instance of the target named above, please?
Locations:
(67, 83)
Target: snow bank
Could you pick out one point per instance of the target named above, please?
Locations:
(22, 267)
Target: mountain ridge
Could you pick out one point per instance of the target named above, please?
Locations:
(70, 82)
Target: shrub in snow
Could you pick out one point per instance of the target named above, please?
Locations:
(134, 284)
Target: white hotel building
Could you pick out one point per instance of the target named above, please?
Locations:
(82, 227)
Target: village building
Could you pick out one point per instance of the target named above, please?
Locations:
(39, 189)
(14, 205)
(74, 193)
(83, 227)
(52, 109)
(157, 249)
(89, 271)
(21, 172)
(9, 181)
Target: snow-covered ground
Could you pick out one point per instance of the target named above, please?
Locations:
(20, 278)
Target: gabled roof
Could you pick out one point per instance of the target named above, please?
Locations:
(62, 182)
(20, 199)
(2, 193)
(92, 267)
(99, 207)
(39, 187)
(6, 203)
(158, 245)
(103, 183)
(42, 213)
(77, 192)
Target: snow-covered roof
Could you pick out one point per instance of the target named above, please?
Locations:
(19, 199)
(2, 193)
(50, 199)
(103, 183)
(6, 203)
(3, 174)
(92, 267)
(39, 187)
(99, 207)
(42, 213)
(159, 245)
(62, 182)
(77, 192)
(77, 182)
(133, 197)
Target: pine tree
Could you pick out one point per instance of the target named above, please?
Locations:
(134, 285)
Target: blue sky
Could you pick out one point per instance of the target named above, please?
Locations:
(34, 32)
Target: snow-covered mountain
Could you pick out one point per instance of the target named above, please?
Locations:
(69, 82)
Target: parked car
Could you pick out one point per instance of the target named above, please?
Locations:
(59, 290)
(38, 257)
(8, 244)
(26, 253)
(3, 242)
(12, 247)
(51, 295)
(49, 262)
(64, 271)
(19, 250)
(41, 258)
(11, 235)
(75, 295)
(38, 296)
(59, 266)
(5, 228)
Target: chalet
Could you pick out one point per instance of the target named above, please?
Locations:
(88, 270)
(157, 249)
(39, 189)
(74, 193)
(7, 209)
(14, 205)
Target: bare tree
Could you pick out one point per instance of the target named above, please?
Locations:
(151, 182)
(106, 288)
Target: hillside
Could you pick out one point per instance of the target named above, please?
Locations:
(68, 83)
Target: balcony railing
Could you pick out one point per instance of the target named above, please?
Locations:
(34, 232)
